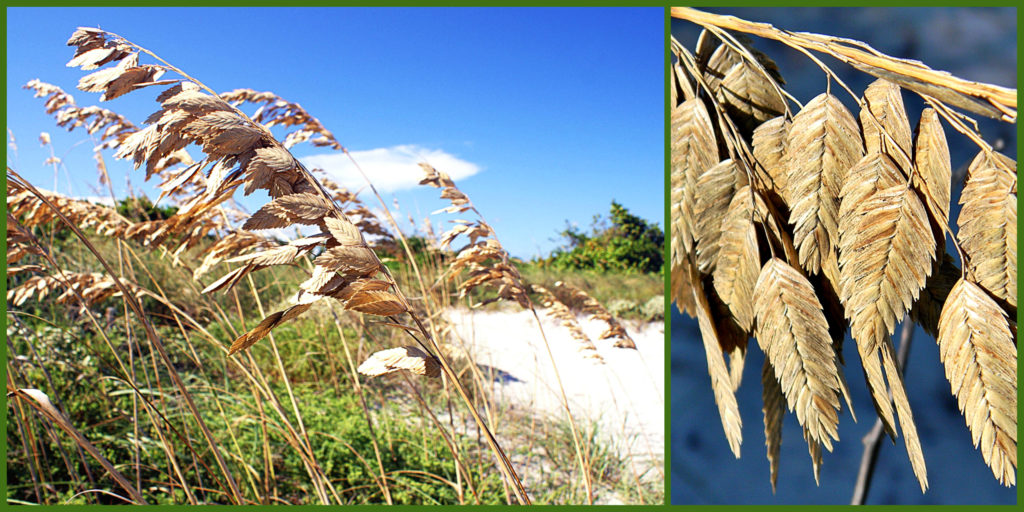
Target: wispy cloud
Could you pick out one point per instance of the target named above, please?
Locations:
(104, 200)
(390, 169)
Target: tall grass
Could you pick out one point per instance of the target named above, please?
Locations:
(123, 330)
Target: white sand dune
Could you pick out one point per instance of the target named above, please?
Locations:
(625, 395)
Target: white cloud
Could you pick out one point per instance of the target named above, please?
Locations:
(290, 233)
(390, 169)
(104, 200)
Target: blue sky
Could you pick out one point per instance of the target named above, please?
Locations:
(542, 115)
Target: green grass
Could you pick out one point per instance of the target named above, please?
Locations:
(78, 364)
(98, 400)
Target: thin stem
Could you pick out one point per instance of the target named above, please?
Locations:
(1000, 102)
(581, 459)
(150, 334)
(383, 483)
(506, 464)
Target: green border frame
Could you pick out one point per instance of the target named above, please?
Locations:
(667, 163)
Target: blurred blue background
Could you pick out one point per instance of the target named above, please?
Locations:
(973, 43)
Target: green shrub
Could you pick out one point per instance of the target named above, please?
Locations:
(630, 244)
(141, 209)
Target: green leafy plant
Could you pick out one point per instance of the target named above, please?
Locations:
(629, 244)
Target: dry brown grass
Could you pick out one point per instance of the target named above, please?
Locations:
(988, 224)
(811, 220)
(341, 265)
(583, 302)
(980, 357)
(793, 333)
(558, 310)
(488, 265)
(242, 153)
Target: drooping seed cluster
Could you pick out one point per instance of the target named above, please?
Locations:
(792, 227)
